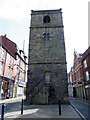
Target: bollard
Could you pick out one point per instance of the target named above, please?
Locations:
(3, 109)
(59, 103)
(22, 107)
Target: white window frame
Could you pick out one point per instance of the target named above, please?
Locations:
(10, 60)
(87, 75)
(85, 63)
(3, 55)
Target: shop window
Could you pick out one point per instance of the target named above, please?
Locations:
(4, 86)
(11, 90)
(85, 63)
(87, 75)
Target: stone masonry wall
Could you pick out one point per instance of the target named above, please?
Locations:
(47, 55)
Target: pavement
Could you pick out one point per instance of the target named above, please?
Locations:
(11, 100)
(41, 111)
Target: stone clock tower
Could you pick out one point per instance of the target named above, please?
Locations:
(47, 71)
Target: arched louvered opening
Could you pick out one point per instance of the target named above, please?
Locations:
(46, 19)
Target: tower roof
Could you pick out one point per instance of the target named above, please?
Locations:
(46, 11)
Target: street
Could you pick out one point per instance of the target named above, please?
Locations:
(13, 110)
(11, 107)
(15, 105)
(82, 106)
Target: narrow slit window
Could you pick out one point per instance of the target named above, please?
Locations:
(44, 36)
(48, 36)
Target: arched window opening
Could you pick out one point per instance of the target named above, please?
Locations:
(47, 19)
(47, 36)
(44, 36)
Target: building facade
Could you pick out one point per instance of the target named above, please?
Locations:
(86, 72)
(80, 75)
(78, 90)
(77, 77)
(47, 71)
(20, 74)
(8, 68)
(70, 83)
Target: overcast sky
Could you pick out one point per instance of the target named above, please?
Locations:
(15, 22)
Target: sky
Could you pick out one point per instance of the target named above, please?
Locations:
(15, 22)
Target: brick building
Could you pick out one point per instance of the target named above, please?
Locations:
(78, 90)
(47, 71)
(80, 75)
(9, 69)
(75, 78)
(86, 72)
(20, 73)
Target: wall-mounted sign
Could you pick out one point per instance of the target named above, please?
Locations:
(22, 83)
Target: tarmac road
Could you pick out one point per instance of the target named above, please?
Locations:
(82, 106)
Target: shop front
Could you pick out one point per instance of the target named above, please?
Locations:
(87, 91)
(78, 90)
(6, 88)
(10, 89)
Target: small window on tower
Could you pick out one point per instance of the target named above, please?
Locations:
(45, 36)
(47, 77)
(46, 19)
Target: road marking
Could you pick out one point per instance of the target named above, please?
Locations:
(78, 111)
